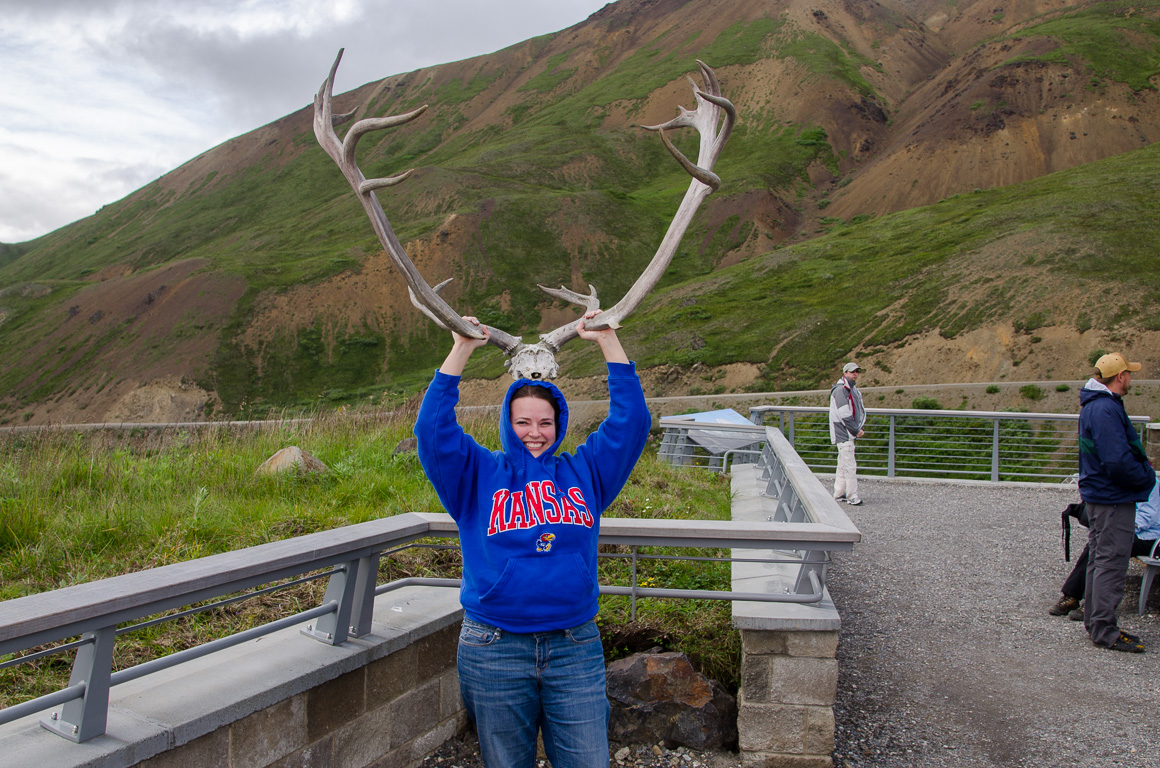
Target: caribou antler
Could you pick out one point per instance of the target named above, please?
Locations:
(532, 360)
(343, 153)
(715, 131)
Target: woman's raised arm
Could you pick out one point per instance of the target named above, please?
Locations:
(609, 343)
(462, 348)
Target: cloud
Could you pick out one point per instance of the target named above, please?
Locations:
(103, 96)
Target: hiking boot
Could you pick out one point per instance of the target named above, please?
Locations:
(854, 502)
(1076, 615)
(1065, 606)
(1127, 644)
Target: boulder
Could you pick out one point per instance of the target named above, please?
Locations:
(292, 459)
(659, 697)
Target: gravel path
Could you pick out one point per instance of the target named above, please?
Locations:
(948, 657)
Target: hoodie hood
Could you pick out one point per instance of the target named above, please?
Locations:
(1092, 390)
(511, 444)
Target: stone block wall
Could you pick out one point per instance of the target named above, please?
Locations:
(789, 682)
(385, 700)
(389, 714)
(789, 666)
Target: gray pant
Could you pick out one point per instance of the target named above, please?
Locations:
(1110, 536)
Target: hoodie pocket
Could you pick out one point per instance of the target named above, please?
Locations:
(540, 587)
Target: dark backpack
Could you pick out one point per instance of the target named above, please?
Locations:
(1079, 512)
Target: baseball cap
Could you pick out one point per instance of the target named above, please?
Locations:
(1111, 364)
(849, 367)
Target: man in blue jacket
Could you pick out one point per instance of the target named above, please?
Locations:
(1114, 474)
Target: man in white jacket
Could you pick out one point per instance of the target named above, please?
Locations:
(847, 417)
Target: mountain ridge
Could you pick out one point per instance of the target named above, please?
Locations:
(250, 273)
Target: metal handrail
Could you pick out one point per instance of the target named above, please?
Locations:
(350, 557)
(984, 445)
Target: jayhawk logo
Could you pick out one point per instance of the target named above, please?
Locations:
(544, 544)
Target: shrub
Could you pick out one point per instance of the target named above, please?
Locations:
(992, 389)
(926, 404)
(1096, 354)
(1030, 323)
(1062, 388)
(1031, 392)
(813, 137)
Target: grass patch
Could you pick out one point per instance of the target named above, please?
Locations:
(1112, 40)
(79, 508)
(1032, 392)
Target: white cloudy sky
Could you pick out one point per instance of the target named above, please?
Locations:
(100, 97)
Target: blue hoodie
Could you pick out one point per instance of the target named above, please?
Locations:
(528, 525)
(1113, 468)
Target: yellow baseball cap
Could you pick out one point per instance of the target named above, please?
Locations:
(1111, 364)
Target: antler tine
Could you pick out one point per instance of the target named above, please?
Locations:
(337, 120)
(501, 339)
(712, 85)
(589, 302)
(707, 120)
(708, 178)
(422, 308)
(343, 154)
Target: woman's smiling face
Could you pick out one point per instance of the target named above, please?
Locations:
(534, 422)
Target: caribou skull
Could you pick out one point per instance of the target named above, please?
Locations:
(713, 118)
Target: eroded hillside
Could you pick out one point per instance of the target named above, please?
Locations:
(249, 278)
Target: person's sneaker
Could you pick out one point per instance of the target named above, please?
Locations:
(840, 498)
(1065, 606)
(1076, 615)
(1127, 644)
(853, 502)
(1133, 638)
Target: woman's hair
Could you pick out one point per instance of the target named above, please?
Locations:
(531, 390)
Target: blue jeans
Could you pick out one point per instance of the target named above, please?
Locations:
(514, 684)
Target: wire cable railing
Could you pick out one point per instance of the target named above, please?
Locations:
(969, 445)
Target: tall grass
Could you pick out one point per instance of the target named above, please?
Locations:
(80, 507)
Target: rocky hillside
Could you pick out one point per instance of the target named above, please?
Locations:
(875, 202)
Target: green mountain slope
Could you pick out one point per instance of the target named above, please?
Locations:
(1075, 249)
(251, 275)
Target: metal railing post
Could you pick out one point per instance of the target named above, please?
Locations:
(812, 573)
(82, 719)
(995, 452)
(364, 595)
(333, 628)
(634, 550)
(890, 450)
(685, 448)
(789, 434)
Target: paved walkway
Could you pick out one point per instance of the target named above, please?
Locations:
(948, 656)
